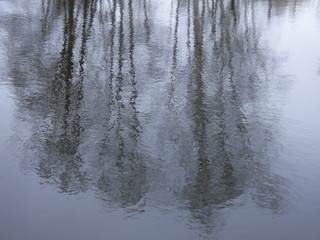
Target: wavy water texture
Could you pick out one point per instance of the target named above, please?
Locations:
(150, 104)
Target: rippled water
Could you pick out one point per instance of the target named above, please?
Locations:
(146, 119)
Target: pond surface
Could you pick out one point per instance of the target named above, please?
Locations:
(159, 119)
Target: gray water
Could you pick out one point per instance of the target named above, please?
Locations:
(159, 119)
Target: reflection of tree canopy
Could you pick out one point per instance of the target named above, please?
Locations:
(138, 109)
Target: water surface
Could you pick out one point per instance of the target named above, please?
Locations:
(145, 119)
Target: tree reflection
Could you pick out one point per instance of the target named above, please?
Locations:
(122, 171)
(225, 155)
(121, 103)
(62, 143)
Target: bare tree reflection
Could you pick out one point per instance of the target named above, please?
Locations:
(122, 178)
(115, 106)
(62, 144)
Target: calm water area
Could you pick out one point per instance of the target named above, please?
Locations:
(159, 119)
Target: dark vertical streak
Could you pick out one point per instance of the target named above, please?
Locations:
(146, 20)
(270, 9)
(174, 54)
(189, 30)
(233, 9)
(134, 93)
(112, 40)
(119, 86)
